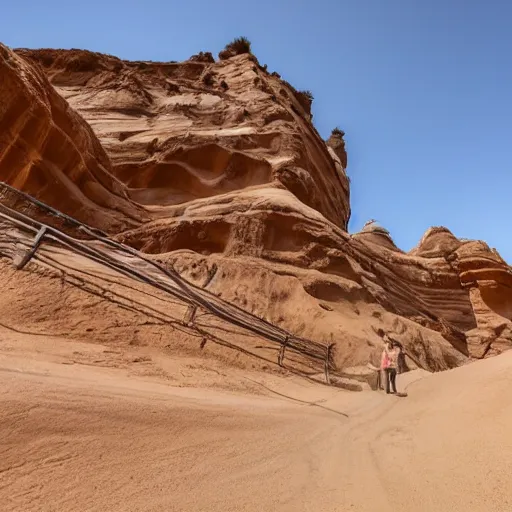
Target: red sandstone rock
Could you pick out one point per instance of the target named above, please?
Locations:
(49, 151)
(173, 138)
(235, 176)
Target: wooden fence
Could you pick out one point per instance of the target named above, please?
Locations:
(19, 209)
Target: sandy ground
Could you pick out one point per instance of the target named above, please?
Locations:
(79, 437)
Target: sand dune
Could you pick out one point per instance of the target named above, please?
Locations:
(79, 438)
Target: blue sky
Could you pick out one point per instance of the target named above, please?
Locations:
(423, 90)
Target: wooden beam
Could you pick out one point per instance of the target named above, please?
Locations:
(28, 255)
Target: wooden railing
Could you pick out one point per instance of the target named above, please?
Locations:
(20, 210)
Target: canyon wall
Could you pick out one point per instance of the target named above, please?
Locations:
(214, 167)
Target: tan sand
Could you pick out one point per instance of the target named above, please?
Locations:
(81, 438)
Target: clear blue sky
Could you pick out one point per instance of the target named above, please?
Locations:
(422, 89)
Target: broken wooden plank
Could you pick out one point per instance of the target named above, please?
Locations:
(281, 352)
(327, 362)
(190, 314)
(29, 255)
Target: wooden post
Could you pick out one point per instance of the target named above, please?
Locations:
(37, 242)
(211, 275)
(281, 352)
(190, 315)
(326, 365)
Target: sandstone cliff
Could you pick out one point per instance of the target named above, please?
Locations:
(48, 150)
(215, 168)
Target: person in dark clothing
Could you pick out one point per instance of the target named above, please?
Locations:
(391, 380)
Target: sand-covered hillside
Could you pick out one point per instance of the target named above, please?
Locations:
(78, 437)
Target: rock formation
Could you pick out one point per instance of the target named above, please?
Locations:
(208, 164)
(336, 146)
(49, 151)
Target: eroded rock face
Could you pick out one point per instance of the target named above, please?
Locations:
(49, 151)
(233, 181)
(179, 132)
(467, 284)
(488, 279)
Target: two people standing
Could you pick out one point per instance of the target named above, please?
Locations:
(390, 363)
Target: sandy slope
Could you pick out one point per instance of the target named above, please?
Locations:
(83, 438)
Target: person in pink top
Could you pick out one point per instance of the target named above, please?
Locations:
(389, 364)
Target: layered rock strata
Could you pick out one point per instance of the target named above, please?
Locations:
(216, 167)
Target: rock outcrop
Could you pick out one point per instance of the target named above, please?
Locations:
(336, 146)
(49, 151)
(179, 132)
(216, 169)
